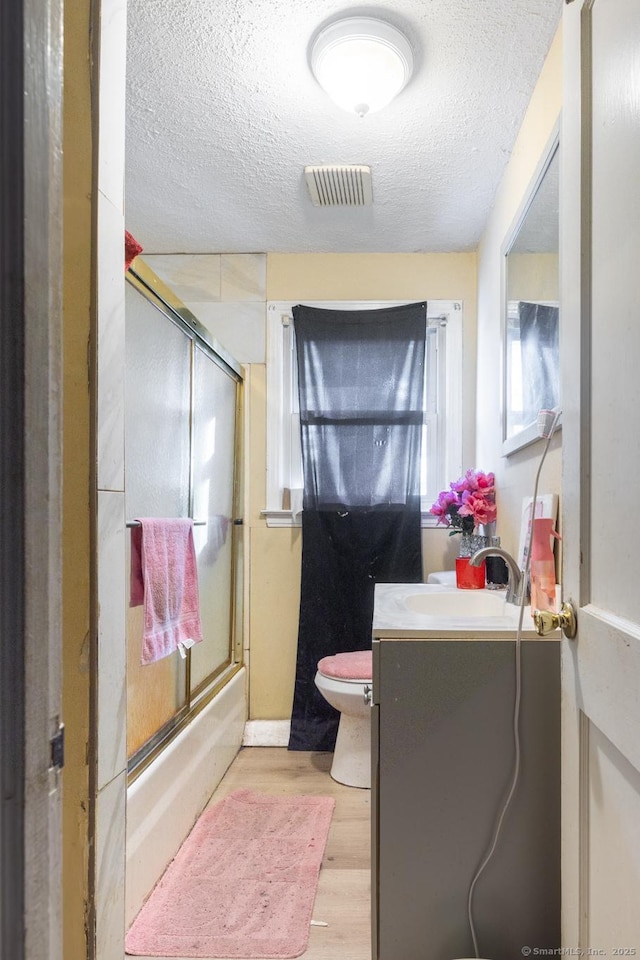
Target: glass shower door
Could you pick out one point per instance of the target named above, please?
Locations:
(214, 487)
(157, 464)
(181, 460)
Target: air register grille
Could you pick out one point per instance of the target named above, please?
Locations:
(343, 186)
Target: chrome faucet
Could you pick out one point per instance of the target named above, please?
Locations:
(517, 586)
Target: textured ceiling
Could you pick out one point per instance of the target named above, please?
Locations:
(223, 114)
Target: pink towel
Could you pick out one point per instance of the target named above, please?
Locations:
(164, 577)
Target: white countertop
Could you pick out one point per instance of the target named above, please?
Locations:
(397, 605)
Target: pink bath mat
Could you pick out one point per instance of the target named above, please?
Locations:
(242, 884)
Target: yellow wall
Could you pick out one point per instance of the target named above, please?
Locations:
(533, 276)
(76, 425)
(276, 553)
(515, 474)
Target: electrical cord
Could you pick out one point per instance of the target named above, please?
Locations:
(518, 697)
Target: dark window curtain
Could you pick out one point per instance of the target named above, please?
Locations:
(539, 345)
(361, 384)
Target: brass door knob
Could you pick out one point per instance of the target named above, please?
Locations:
(546, 622)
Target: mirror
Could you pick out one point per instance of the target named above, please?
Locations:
(531, 374)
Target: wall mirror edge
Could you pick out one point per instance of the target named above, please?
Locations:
(528, 225)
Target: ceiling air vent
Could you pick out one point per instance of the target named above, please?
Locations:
(345, 186)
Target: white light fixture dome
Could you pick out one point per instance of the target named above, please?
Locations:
(362, 63)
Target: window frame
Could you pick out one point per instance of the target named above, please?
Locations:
(448, 314)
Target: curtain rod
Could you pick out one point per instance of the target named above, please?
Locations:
(286, 319)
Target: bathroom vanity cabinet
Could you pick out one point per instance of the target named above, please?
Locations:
(443, 757)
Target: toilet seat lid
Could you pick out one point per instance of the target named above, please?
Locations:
(348, 666)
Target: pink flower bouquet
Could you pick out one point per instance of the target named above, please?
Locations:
(469, 501)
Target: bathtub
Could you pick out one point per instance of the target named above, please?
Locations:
(164, 802)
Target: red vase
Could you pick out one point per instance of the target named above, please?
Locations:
(469, 577)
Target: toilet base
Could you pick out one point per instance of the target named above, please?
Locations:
(352, 756)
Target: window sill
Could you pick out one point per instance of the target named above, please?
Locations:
(281, 518)
(285, 518)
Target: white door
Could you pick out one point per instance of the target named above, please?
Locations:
(601, 455)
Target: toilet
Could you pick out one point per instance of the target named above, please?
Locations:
(342, 679)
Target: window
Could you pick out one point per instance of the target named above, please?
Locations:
(532, 369)
(442, 429)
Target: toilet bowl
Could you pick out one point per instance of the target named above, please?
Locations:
(341, 679)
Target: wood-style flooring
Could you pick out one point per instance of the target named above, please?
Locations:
(344, 888)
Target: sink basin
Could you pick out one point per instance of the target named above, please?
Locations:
(406, 610)
(458, 603)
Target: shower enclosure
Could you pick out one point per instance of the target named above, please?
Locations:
(182, 441)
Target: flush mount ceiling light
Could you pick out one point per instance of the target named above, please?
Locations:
(362, 63)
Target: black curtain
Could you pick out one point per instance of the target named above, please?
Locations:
(540, 349)
(361, 387)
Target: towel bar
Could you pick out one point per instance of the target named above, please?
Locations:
(196, 523)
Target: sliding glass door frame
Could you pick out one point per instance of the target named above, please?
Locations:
(146, 283)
